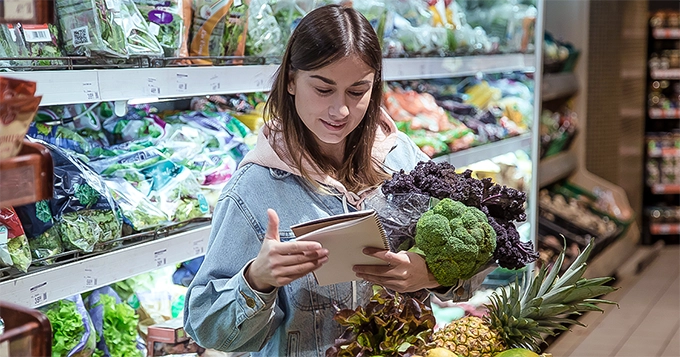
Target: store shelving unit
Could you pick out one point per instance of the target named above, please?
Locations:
(149, 84)
(487, 151)
(43, 285)
(54, 283)
(662, 159)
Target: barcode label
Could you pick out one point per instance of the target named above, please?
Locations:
(199, 248)
(91, 91)
(81, 36)
(160, 258)
(38, 294)
(152, 87)
(182, 82)
(37, 35)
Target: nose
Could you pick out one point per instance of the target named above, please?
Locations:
(338, 108)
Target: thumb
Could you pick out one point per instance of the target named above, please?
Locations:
(272, 226)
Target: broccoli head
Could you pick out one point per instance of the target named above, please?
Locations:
(457, 240)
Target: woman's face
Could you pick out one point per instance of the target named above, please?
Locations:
(332, 100)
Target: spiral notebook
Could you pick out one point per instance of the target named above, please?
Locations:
(345, 236)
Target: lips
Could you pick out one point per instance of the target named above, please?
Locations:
(333, 126)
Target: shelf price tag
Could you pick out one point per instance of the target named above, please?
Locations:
(152, 88)
(91, 91)
(199, 247)
(160, 258)
(38, 294)
(182, 82)
(19, 9)
(215, 83)
(90, 278)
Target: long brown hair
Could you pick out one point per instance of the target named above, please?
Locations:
(325, 35)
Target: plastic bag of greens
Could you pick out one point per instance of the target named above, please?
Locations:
(42, 41)
(14, 250)
(138, 212)
(219, 29)
(135, 126)
(264, 34)
(85, 212)
(178, 194)
(140, 40)
(115, 322)
(43, 237)
(73, 334)
(92, 27)
(164, 20)
(12, 45)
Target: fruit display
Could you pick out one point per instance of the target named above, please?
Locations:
(516, 322)
(448, 115)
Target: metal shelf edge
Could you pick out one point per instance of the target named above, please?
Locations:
(54, 283)
(556, 167)
(487, 151)
(92, 85)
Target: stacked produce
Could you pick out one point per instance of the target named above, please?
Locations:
(577, 214)
(500, 205)
(449, 115)
(117, 176)
(111, 32)
(517, 318)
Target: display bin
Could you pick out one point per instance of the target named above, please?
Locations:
(24, 332)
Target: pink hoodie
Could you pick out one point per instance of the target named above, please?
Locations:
(264, 155)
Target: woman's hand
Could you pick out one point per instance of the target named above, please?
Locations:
(279, 263)
(406, 272)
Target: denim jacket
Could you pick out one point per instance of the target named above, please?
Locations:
(223, 312)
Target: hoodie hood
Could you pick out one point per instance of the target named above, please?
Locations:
(265, 155)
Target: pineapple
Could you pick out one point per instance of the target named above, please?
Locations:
(519, 317)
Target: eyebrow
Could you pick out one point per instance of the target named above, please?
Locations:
(332, 82)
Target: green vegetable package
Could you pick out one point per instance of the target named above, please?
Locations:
(73, 334)
(14, 249)
(219, 28)
(115, 323)
(86, 213)
(165, 23)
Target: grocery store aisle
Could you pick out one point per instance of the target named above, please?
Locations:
(645, 324)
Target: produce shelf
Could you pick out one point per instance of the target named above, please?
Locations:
(666, 189)
(558, 85)
(665, 152)
(444, 67)
(48, 284)
(673, 73)
(656, 113)
(149, 84)
(666, 33)
(486, 151)
(665, 228)
(555, 168)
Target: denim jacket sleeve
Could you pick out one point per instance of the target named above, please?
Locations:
(222, 311)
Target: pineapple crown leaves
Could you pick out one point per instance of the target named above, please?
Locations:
(391, 324)
(523, 315)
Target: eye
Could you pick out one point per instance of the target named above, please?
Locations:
(323, 91)
(356, 94)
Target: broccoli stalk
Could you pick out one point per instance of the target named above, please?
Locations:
(455, 239)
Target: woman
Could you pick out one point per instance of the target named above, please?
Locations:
(326, 148)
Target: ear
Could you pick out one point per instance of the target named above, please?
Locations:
(291, 83)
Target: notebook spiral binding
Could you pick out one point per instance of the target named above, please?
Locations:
(383, 234)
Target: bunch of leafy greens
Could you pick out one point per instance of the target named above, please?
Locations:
(501, 204)
(391, 324)
(48, 48)
(119, 327)
(67, 327)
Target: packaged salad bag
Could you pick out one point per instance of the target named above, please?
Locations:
(165, 22)
(220, 28)
(14, 250)
(73, 334)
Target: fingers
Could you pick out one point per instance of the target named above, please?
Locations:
(272, 226)
(285, 274)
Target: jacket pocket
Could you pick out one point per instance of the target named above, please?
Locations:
(293, 347)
